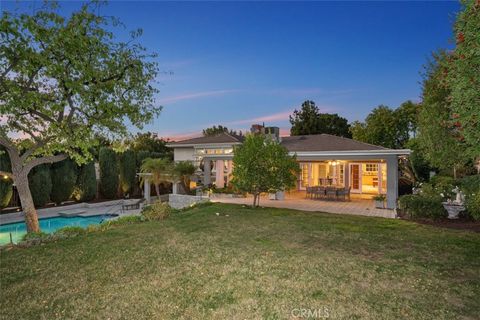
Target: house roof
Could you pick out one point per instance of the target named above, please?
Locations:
(215, 139)
(325, 142)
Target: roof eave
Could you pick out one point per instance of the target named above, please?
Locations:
(379, 152)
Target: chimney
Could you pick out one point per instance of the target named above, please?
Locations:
(257, 129)
(273, 133)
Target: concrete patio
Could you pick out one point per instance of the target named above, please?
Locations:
(296, 200)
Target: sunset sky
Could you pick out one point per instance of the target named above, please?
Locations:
(239, 63)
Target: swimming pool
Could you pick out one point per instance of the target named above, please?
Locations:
(49, 225)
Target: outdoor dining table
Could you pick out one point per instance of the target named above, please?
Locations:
(328, 193)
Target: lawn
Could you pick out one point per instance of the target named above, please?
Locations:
(248, 264)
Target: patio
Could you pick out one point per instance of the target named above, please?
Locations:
(359, 204)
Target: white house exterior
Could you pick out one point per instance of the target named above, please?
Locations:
(324, 159)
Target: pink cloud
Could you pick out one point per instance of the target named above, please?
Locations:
(181, 136)
(190, 96)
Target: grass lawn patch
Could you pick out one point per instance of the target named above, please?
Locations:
(247, 264)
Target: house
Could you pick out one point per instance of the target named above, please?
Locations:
(324, 160)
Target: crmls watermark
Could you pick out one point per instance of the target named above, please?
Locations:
(311, 313)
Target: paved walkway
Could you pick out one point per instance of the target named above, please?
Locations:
(355, 206)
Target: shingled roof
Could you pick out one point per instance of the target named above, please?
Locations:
(325, 142)
(218, 138)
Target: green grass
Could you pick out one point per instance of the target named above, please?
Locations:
(250, 264)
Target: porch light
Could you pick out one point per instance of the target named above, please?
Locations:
(5, 177)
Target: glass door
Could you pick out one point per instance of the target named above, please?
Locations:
(304, 175)
(356, 177)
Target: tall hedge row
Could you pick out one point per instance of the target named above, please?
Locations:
(40, 183)
(6, 190)
(64, 178)
(86, 188)
(127, 171)
(108, 173)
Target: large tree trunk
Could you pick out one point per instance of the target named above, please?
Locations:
(157, 189)
(26, 200)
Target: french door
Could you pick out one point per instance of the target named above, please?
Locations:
(356, 177)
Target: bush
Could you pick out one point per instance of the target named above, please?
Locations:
(86, 186)
(108, 173)
(127, 171)
(472, 204)
(64, 178)
(67, 232)
(157, 211)
(139, 157)
(31, 236)
(125, 220)
(422, 206)
(40, 184)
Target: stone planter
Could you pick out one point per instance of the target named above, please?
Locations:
(380, 204)
(453, 209)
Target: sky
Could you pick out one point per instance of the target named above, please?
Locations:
(239, 63)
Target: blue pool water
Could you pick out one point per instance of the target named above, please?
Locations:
(48, 225)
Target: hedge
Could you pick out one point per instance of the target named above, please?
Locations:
(127, 171)
(86, 186)
(422, 206)
(40, 184)
(108, 173)
(6, 189)
(64, 178)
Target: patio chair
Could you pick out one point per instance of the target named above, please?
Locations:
(309, 193)
(331, 193)
(321, 193)
(345, 193)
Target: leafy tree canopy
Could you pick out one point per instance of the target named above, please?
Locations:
(387, 127)
(263, 165)
(309, 120)
(440, 137)
(463, 75)
(64, 82)
(150, 142)
(212, 131)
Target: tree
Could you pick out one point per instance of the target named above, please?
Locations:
(160, 170)
(463, 75)
(439, 135)
(183, 170)
(86, 186)
(212, 131)
(310, 121)
(150, 142)
(263, 165)
(305, 120)
(127, 171)
(64, 178)
(387, 127)
(108, 173)
(64, 81)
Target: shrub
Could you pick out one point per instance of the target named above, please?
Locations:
(68, 232)
(86, 186)
(6, 189)
(64, 178)
(31, 236)
(125, 220)
(156, 211)
(139, 157)
(127, 171)
(422, 206)
(108, 173)
(472, 204)
(40, 184)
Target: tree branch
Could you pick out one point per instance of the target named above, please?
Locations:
(48, 159)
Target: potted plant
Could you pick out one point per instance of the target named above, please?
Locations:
(380, 201)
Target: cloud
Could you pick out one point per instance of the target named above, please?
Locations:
(189, 96)
(180, 136)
